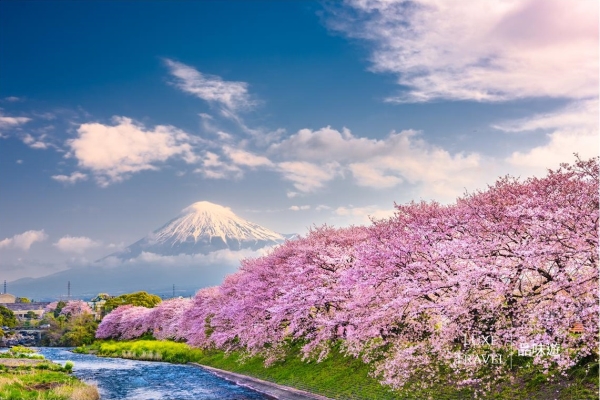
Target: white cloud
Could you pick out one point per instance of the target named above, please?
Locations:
(13, 99)
(560, 148)
(480, 50)
(230, 95)
(326, 143)
(369, 174)
(39, 145)
(70, 179)
(322, 207)
(308, 177)
(79, 245)
(214, 168)
(581, 115)
(35, 143)
(232, 163)
(113, 153)
(19, 161)
(24, 240)
(220, 257)
(11, 122)
(400, 158)
(572, 129)
(376, 163)
(245, 158)
(300, 208)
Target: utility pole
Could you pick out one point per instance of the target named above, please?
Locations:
(5, 286)
(173, 290)
(69, 290)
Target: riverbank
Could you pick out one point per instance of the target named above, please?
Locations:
(340, 377)
(25, 376)
(270, 389)
(119, 379)
(337, 377)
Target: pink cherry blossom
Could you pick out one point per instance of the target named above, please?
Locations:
(515, 263)
(76, 307)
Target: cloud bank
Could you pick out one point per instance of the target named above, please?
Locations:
(374, 163)
(78, 245)
(23, 241)
(479, 50)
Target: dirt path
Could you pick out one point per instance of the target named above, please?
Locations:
(19, 362)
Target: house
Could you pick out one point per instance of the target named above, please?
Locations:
(7, 298)
(21, 309)
(97, 304)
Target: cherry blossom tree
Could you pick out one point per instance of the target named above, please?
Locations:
(51, 307)
(76, 307)
(515, 264)
(125, 322)
(166, 319)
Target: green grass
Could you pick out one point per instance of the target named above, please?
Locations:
(343, 377)
(45, 381)
(21, 352)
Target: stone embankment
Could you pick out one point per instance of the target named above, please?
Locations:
(22, 337)
(270, 389)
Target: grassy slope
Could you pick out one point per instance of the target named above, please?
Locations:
(348, 378)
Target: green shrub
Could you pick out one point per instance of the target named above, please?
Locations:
(7, 317)
(68, 366)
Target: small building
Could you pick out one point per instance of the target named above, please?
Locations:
(577, 328)
(7, 298)
(21, 309)
(97, 305)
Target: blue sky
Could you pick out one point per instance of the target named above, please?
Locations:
(114, 116)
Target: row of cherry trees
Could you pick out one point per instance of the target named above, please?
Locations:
(164, 321)
(513, 265)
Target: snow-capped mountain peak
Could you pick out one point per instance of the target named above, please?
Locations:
(204, 220)
(201, 228)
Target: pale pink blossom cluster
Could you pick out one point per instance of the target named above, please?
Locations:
(76, 307)
(517, 262)
(71, 308)
(162, 321)
(51, 307)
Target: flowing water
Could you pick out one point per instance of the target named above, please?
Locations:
(120, 379)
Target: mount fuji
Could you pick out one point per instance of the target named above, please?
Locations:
(202, 228)
(196, 249)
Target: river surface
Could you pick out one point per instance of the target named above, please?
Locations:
(120, 379)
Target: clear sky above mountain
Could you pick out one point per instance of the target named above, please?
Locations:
(116, 115)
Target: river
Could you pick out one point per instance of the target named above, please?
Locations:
(120, 379)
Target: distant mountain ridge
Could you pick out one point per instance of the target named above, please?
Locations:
(202, 228)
